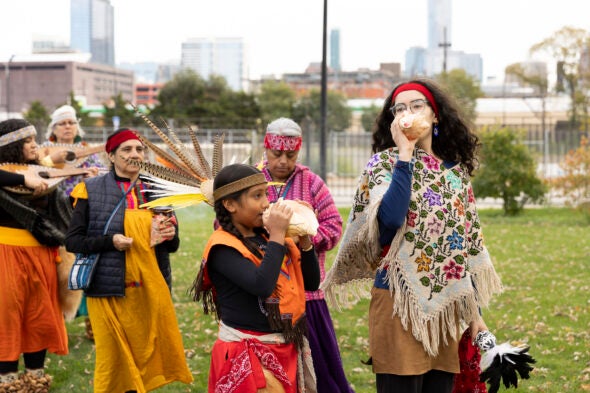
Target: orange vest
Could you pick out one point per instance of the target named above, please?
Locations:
(289, 289)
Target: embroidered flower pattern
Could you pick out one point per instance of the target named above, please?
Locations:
(453, 271)
(442, 228)
(432, 197)
(453, 180)
(423, 262)
(411, 217)
(431, 163)
(455, 241)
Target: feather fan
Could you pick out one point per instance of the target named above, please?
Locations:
(502, 363)
(186, 178)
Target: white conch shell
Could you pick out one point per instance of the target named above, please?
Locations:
(303, 221)
(414, 126)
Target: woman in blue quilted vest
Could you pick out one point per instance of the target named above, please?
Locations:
(138, 342)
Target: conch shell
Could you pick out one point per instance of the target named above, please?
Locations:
(303, 221)
(414, 126)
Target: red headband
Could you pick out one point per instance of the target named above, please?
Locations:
(282, 142)
(418, 87)
(115, 140)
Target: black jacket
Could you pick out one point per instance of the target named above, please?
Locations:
(85, 236)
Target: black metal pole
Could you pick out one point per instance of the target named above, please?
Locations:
(7, 78)
(323, 102)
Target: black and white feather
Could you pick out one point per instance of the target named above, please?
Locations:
(502, 363)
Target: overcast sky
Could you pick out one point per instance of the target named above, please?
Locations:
(285, 36)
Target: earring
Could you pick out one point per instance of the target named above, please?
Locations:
(435, 132)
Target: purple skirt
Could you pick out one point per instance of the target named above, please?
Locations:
(324, 349)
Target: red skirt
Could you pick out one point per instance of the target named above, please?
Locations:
(240, 366)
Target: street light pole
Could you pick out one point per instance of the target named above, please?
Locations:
(7, 78)
(323, 101)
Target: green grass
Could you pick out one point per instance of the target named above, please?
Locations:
(543, 257)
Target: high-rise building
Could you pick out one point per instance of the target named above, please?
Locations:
(335, 50)
(439, 19)
(217, 56)
(92, 29)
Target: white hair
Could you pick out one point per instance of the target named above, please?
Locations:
(64, 112)
(283, 127)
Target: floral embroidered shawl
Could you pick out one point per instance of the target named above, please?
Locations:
(438, 268)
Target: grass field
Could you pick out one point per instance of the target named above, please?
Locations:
(543, 257)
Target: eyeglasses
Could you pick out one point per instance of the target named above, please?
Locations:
(416, 106)
(67, 123)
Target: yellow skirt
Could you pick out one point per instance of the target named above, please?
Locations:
(138, 342)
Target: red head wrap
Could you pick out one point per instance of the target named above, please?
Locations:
(418, 87)
(116, 139)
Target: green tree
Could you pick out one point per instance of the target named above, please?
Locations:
(276, 99)
(37, 115)
(369, 117)
(189, 99)
(83, 117)
(338, 112)
(574, 183)
(464, 89)
(117, 106)
(507, 171)
(534, 79)
(567, 47)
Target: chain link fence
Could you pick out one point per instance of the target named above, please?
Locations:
(347, 153)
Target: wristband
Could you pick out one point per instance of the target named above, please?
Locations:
(308, 248)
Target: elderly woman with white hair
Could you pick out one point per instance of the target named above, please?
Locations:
(64, 130)
(282, 143)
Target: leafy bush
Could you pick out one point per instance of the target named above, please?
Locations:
(507, 171)
(575, 182)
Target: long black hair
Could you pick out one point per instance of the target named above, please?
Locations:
(227, 175)
(13, 152)
(455, 141)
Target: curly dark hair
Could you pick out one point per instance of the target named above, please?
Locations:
(226, 175)
(455, 141)
(13, 152)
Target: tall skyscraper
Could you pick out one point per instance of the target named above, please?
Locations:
(439, 19)
(335, 50)
(438, 55)
(92, 29)
(217, 56)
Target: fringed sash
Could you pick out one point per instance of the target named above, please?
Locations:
(437, 266)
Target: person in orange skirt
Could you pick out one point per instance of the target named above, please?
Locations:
(32, 227)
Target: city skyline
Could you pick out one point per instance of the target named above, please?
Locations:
(284, 37)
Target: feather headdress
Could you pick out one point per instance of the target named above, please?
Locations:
(184, 177)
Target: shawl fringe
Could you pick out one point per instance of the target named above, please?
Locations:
(358, 257)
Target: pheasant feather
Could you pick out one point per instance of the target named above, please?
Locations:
(218, 154)
(199, 152)
(167, 173)
(169, 158)
(170, 144)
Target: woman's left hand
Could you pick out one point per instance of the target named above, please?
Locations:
(167, 230)
(477, 326)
